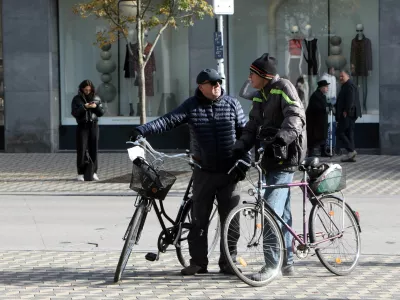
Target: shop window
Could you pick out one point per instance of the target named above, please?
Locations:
(309, 38)
(167, 73)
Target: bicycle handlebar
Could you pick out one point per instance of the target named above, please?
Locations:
(143, 143)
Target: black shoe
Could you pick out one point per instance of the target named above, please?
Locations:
(288, 270)
(193, 269)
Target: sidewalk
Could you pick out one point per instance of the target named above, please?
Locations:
(55, 173)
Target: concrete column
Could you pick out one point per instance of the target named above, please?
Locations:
(389, 89)
(31, 75)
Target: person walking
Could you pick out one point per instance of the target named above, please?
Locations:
(87, 108)
(348, 109)
(215, 120)
(278, 116)
(317, 119)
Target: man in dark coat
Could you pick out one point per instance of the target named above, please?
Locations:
(215, 121)
(348, 109)
(317, 119)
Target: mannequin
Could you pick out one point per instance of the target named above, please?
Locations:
(149, 71)
(129, 70)
(361, 61)
(293, 55)
(310, 60)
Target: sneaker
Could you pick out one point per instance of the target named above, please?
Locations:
(80, 178)
(288, 270)
(265, 274)
(95, 177)
(193, 269)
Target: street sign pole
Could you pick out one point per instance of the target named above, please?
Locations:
(221, 8)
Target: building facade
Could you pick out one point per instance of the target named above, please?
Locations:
(47, 51)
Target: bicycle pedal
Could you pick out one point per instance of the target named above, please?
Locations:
(151, 256)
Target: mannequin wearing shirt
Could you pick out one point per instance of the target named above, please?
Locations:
(361, 62)
(129, 71)
(293, 55)
(310, 60)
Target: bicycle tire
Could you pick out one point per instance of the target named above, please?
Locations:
(131, 239)
(182, 249)
(244, 266)
(338, 262)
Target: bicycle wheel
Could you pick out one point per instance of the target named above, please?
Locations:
(256, 252)
(131, 239)
(337, 235)
(214, 228)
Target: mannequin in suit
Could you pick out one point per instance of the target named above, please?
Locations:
(310, 60)
(361, 62)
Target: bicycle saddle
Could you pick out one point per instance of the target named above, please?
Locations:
(310, 162)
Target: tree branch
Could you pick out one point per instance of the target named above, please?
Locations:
(146, 8)
(165, 25)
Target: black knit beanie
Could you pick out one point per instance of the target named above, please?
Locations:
(265, 66)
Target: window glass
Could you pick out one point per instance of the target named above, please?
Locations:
(113, 71)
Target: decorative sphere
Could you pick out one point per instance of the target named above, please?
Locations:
(106, 55)
(336, 61)
(106, 66)
(106, 47)
(336, 40)
(106, 77)
(335, 50)
(107, 92)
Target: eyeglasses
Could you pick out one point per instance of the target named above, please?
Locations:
(214, 82)
(359, 30)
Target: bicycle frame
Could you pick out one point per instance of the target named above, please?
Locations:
(306, 191)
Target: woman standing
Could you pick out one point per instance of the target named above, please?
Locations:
(86, 107)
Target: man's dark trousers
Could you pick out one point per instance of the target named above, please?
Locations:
(206, 187)
(345, 132)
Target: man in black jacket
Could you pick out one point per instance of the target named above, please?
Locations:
(317, 119)
(277, 116)
(348, 109)
(215, 120)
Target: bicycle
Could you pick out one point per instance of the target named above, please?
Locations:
(152, 183)
(261, 228)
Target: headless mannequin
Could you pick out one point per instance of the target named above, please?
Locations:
(361, 67)
(311, 59)
(131, 80)
(293, 55)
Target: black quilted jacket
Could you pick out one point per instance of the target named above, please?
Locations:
(214, 127)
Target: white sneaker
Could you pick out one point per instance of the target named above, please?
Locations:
(95, 177)
(80, 178)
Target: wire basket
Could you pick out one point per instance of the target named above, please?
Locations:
(331, 180)
(150, 182)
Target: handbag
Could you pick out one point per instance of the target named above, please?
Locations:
(89, 168)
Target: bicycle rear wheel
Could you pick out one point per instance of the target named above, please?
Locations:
(254, 250)
(132, 238)
(337, 232)
(214, 228)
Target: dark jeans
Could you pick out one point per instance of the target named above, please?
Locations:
(207, 186)
(87, 138)
(345, 132)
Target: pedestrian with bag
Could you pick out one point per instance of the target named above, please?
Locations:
(278, 120)
(215, 120)
(87, 108)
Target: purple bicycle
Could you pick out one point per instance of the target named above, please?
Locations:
(332, 230)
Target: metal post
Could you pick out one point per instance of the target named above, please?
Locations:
(220, 62)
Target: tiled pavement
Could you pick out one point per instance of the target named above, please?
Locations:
(89, 275)
(55, 173)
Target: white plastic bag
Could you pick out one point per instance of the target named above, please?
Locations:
(135, 152)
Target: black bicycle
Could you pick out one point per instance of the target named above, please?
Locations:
(152, 183)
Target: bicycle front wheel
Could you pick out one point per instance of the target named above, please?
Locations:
(256, 246)
(334, 230)
(214, 229)
(132, 238)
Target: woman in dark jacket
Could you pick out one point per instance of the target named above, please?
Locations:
(86, 107)
(317, 119)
